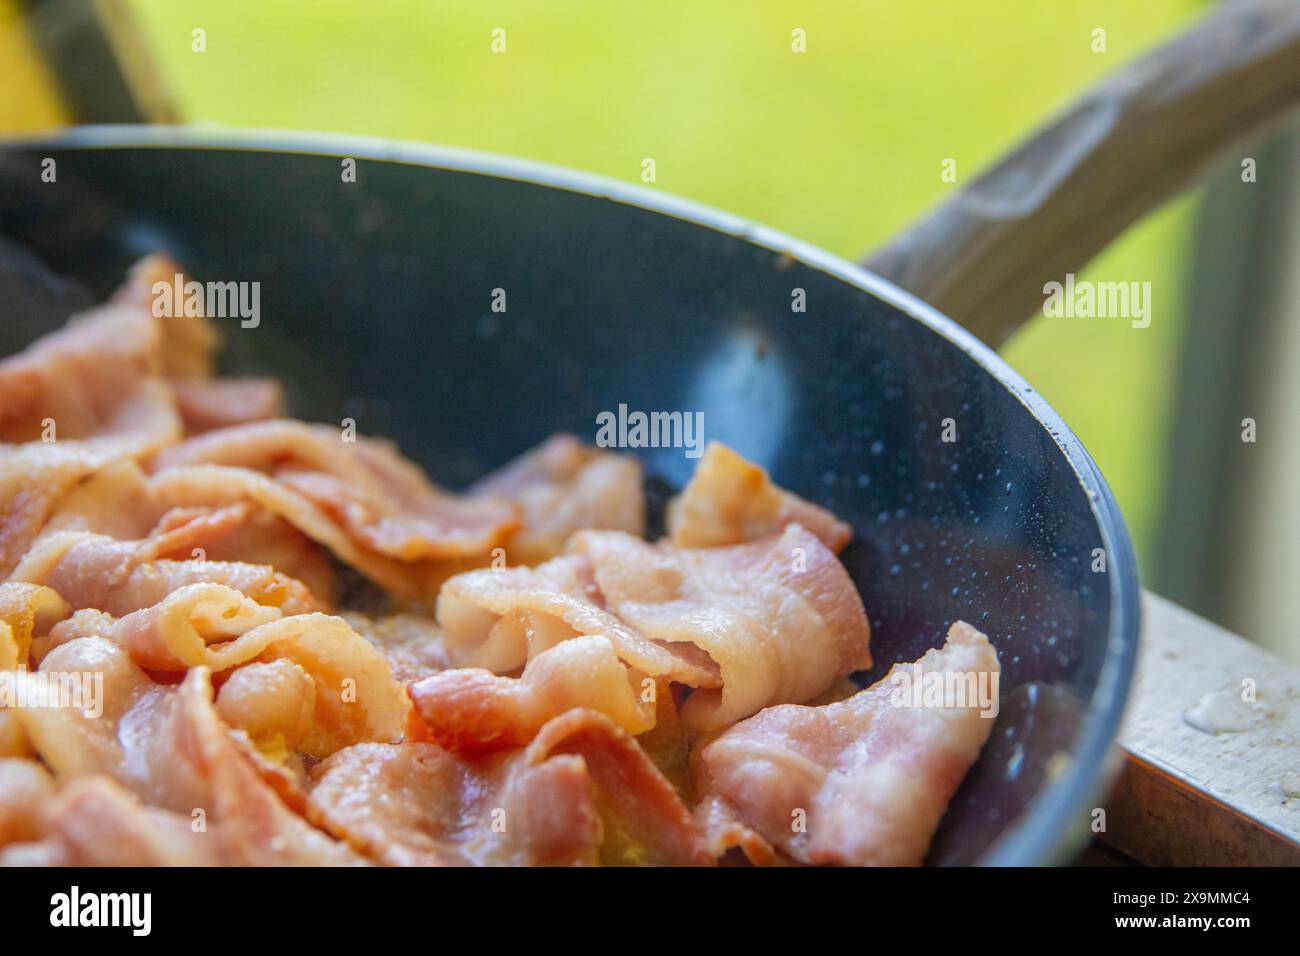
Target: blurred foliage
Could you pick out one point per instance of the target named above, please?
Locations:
(840, 145)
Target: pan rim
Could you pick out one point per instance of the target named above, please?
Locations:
(1055, 819)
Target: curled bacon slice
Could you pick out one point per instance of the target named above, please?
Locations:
(168, 745)
(195, 624)
(26, 610)
(730, 501)
(862, 782)
(474, 711)
(216, 487)
(774, 621)
(780, 616)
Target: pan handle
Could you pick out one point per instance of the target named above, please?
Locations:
(983, 255)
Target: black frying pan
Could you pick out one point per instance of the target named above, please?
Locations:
(375, 305)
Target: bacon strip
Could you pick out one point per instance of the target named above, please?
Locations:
(564, 486)
(90, 394)
(780, 616)
(118, 577)
(731, 501)
(384, 502)
(208, 404)
(861, 782)
(497, 619)
(216, 487)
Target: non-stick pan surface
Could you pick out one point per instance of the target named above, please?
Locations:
(376, 305)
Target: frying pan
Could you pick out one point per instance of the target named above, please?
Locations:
(969, 496)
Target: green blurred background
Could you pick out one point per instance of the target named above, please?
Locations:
(841, 145)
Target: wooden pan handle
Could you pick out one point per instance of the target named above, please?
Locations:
(983, 255)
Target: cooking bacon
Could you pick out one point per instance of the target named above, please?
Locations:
(770, 622)
(354, 696)
(581, 696)
(582, 792)
(168, 745)
(864, 781)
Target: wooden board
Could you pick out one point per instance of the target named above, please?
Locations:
(1217, 795)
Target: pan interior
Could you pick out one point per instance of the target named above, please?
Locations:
(377, 304)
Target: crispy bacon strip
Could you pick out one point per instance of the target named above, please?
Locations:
(862, 782)
(780, 616)
(730, 501)
(473, 711)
